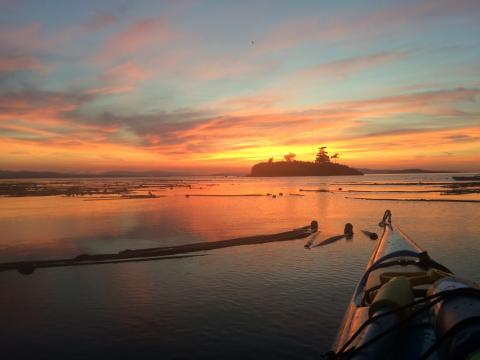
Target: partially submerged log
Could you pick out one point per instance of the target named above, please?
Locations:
(28, 267)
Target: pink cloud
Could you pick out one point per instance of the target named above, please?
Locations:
(265, 101)
(110, 89)
(348, 66)
(101, 20)
(128, 71)
(20, 46)
(143, 35)
(23, 38)
(421, 102)
(226, 68)
(122, 78)
(24, 62)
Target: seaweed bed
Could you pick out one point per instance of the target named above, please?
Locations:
(127, 190)
(124, 190)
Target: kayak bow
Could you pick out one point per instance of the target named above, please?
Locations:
(408, 306)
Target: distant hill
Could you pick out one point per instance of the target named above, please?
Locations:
(26, 174)
(404, 171)
(228, 174)
(301, 168)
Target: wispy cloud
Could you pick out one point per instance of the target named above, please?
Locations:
(101, 20)
(349, 26)
(145, 35)
(348, 66)
(13, 63)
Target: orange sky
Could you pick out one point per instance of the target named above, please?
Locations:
(208, 89)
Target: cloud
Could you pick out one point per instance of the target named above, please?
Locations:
(13, 63)
(128, 71)
(23, 38)
(38, 105)
(462, 138)
(26, 47)
(408, 16)
(121, 78)
(427, 106)
(213, 131)
(147, 34)
(348, 66)
(366, 127)
(101, 20)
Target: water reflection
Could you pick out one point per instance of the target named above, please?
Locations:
(277, 299)
(67, 226)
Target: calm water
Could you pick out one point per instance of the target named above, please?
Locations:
(275, 300)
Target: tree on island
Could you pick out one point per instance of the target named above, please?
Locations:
(322, 156)
(289, 157)
(335, 157)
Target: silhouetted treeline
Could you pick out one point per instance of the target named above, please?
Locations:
(301, 168)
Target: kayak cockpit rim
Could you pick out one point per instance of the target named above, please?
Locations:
(360, 292)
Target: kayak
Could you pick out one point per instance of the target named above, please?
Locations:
(408, 306)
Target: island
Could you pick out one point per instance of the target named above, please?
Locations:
(322, 166)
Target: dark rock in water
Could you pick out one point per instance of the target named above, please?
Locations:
(26, 268)
(340, 189)
(280, 194)
(348, 230)
(371, 235)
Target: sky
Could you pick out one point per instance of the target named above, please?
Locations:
(211, 86)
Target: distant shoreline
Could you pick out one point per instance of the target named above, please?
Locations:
(27, 174)
(405, 171)
(11, 175)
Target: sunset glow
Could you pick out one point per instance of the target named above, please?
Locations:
(218, 86)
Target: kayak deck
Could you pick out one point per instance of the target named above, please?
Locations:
(358, 312)
(398, 274)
